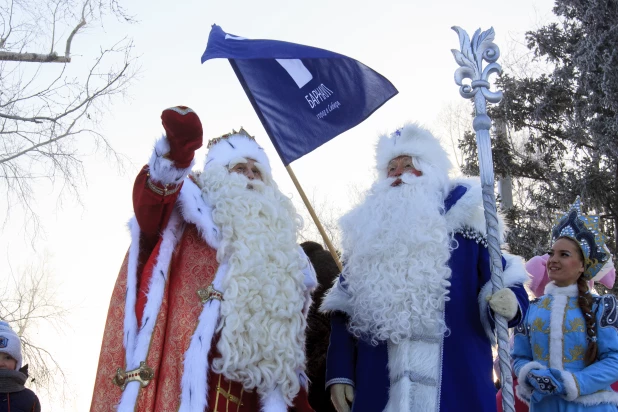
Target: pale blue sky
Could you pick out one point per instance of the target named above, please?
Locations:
(409, 42)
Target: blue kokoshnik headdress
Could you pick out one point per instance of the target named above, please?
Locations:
(584, 229)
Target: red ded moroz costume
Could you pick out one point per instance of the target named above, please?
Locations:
(185, 303)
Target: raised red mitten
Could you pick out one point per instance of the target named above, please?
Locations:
(184, 134)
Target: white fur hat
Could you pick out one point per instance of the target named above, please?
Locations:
(10, 342)
(235, 145)
(414, 141)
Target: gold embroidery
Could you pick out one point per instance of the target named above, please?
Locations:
(165, 191)
(575, 325)
(576, 384)
(227, 402)
(572, 304)
(242, 390)
(538, 352)
(577, 353)
(217, 397)
(545, 304)
(227, 395)
(564, 321)
(539, 326)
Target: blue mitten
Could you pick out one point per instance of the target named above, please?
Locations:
(546, 382)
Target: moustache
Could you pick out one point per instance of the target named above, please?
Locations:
(406, 178)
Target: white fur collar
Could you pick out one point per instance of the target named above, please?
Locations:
(468, 210)
(195, 210)
(555, 290)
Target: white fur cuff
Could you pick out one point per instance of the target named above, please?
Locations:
(336, 299)
(522, 382)
(310, 279)
(572, 392)
(195, 210)
(162, 170)
(523, 394)
(273, 401)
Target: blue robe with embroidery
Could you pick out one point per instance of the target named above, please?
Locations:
(466, 382)
(553, 335)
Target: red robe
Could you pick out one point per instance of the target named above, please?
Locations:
(192, 266)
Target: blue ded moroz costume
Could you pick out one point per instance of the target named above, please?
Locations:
(550, 345)
(412, 313)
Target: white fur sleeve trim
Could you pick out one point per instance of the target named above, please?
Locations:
(162, 170)
(310, 280)
(336, 299)
(569, 384)
(303, 379)
(130, 320)
(468, 211)
(522, 394)
(514, 273)
(195, 210)
(273, 401)
(194, 382)
(523, 387)
(137, 345)
(598, 398)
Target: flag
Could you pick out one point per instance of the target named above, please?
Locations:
(304, 96)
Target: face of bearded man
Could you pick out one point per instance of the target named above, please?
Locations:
(261, 324)
(396, 248)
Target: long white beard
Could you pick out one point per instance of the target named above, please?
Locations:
(396, 250)
(262, 327)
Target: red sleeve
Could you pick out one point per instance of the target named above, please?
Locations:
(152, 209)
(153, 204)
(301, 402)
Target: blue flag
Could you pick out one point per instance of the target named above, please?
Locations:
(304, 96)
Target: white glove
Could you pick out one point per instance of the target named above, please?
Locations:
(504, 303)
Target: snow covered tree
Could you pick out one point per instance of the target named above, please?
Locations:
(562, 135)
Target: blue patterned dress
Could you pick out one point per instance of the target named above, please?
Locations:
(553, 335)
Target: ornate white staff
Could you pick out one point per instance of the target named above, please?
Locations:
(470, 58)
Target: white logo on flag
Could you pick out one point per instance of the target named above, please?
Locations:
(297, 70)
(295, 67)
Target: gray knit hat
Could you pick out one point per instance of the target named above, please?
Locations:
(10, 343)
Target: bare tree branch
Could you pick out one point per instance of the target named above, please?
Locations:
(27, 301)
(33, 57)
(47, 110)
(82, 23)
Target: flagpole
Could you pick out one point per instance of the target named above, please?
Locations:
(470, 58)
(330, 246)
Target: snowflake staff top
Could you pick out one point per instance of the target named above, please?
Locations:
(471, 57)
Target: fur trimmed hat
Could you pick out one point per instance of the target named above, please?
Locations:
(10, 343)
(414, 141)
(236, 145)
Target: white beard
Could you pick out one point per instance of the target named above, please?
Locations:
(261, 325)
(396, 249)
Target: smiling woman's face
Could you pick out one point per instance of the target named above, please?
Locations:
(565, 264)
